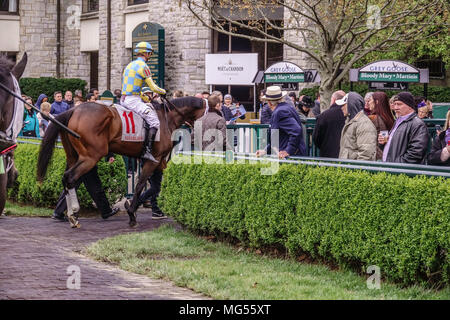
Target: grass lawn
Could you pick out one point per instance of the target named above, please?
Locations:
(15, 209)
(224, 272)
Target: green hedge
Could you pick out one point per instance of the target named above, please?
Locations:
(435, 94)
(34, 87)
(352, 218)
(27, 190)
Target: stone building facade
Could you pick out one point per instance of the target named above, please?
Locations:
(83, 40)
(79, 49)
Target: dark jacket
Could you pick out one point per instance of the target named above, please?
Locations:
(227, 114)
(59, 107)
(69, 103)
(266, 114)
(316, 109)
(327, 133)
(410, 141)
(434, 158)
(286, 120)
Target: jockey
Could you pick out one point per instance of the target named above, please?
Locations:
(135, 74)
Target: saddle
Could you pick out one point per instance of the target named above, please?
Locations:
(132, 125)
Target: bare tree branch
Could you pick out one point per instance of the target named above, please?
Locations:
(334, 33)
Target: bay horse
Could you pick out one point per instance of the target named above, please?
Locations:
(100, 130)
(9, 74)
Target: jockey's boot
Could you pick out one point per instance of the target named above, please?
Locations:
(150, 134)
(5, 142)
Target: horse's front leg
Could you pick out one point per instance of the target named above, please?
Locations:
(147, 170)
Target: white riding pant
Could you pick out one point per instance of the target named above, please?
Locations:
(135, 104)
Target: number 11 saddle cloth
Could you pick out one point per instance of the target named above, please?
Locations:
(132, 125)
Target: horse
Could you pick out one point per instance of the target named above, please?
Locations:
(9, 73)
(100, 130)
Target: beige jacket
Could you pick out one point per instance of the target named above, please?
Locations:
(359, 139)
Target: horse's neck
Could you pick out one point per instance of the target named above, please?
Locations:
(175, 121)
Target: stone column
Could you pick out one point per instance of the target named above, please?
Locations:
(75, 64)
(187, 42)
(38, 37)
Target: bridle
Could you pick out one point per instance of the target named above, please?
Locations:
(170, 106)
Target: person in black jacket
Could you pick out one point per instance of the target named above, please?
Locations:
(93, 185)
(408, 140)
(440, 150)
(328, 129)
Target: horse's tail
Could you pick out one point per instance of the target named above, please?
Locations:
(49, 142)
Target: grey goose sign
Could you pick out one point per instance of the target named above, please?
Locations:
(284, 72)
(389, 71)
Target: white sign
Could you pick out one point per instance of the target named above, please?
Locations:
(284, 67)
(389, 66)
(231, 69)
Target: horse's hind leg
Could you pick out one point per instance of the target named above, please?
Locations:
(70, 179)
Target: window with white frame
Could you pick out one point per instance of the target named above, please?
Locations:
(9, 6)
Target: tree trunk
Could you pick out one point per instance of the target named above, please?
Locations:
(326, 90)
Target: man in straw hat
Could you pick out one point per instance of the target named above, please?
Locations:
(286, 120)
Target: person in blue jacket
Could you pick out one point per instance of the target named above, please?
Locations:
(286, 120)
(59, 106)
(30, 122)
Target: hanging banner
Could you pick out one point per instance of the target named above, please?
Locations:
(389, 71)
(284, 72)
(231, 69)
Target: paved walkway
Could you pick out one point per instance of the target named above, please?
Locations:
(36, 252)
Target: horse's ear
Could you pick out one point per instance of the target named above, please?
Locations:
(20, 67)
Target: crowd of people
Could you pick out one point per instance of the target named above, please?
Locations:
(34, 124)
(373, 128)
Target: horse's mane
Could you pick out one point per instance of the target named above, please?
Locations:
(188, 102)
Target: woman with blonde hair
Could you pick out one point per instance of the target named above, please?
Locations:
(440, 150)
(43, 124)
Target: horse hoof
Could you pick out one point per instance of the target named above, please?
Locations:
(74, 223)
(133, 224)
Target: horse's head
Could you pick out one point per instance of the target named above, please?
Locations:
(7, 68)
(189, 109)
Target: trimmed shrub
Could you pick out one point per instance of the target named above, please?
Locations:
(435, 94)
(34, 87)
(352, 218)
(27, 190)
